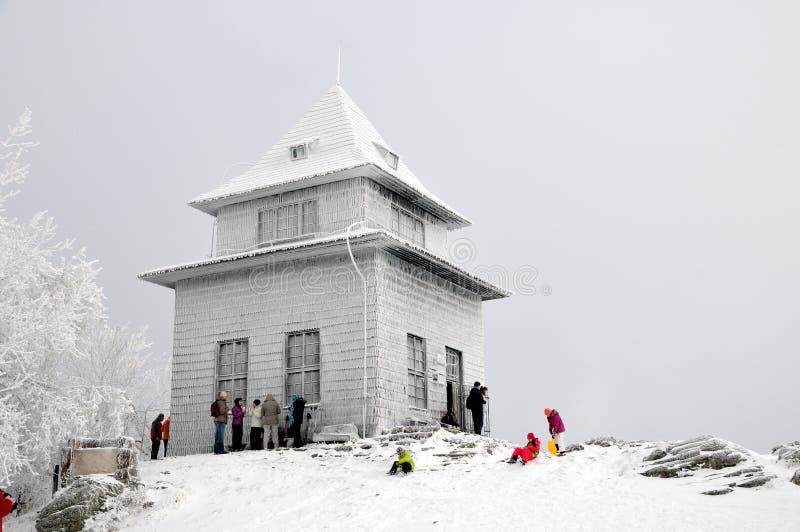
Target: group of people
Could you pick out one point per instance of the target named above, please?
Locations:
(531, 449)
(159, 432)
(265, 425)
(264, 420)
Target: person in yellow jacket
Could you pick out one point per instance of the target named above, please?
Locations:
(404, 462)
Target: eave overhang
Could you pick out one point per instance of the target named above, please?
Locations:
(325, 246)
(450, 217)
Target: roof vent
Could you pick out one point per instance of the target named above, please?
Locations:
(299, 151)
(392, 159)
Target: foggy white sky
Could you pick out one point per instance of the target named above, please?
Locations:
(643, 156)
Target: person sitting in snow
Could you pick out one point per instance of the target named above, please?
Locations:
(527, 453)
(556, 427)
(403, 462)
(450, 418)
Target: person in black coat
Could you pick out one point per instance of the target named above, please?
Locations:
(298, 407)
(475, 402)
(155, 436)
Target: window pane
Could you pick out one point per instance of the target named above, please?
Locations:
(310, 217)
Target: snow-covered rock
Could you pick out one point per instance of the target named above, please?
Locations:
(695, 457)
(71, 507)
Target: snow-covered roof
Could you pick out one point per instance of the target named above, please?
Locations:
(341, 142)
(317, 247)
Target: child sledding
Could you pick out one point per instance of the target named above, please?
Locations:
(403, 463)
(527, 453)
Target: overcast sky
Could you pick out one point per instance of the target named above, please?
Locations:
(642, 156)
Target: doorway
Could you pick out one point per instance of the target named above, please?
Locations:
(454, 385)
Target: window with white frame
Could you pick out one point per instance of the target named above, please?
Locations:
(417, 383)
(287, 221)
(299, 151)
(232, 368)
(302, 366)
(408, 226)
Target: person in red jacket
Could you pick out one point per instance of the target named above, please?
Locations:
(527, 453)
(165, 434)
(7, 503)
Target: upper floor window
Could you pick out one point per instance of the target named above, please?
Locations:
(287, 221)
(408, 226)
(299, 151)
(232, 359)
(302, 366)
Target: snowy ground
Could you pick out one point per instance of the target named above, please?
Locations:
(322, 488)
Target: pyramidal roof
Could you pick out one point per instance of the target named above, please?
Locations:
(341, 143)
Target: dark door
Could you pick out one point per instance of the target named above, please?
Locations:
(454, 384)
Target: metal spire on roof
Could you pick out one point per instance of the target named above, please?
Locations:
(339, 66)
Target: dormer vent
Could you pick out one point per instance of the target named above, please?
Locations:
(391, 158)
(299, 151)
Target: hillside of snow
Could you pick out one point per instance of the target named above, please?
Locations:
(462, 482)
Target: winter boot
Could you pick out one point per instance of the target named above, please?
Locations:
(513, 460)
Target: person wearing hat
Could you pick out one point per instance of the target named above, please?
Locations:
(155, 436)
(527, 453)
(556, 427)
(403, 462)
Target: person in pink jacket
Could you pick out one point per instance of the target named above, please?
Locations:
(556, 427)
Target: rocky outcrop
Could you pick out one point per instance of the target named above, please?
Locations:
(788, 452)
(687, 458)
(71, 507)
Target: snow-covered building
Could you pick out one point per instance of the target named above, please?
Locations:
(279, 306)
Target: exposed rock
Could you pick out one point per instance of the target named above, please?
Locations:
(574, 447)
(721, 491)
(796, 477)
(343, 448)
(72, 506)
(744, 471)
(657, 454)
(687, 458)
(755, 481)
(603, 441)
(788, 452)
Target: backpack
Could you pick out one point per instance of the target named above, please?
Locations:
(214, 409)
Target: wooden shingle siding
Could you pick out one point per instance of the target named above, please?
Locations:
(379, 212)
(339, 204)
(218, 307)
(412, 301)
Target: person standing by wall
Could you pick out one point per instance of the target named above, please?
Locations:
(256, 426)
(298, 407)
(237, 424)
(219, 411)
(165, 434)
(271, 421)
(556, 426)
(475, 402)
(155, 436)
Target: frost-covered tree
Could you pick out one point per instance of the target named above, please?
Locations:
(51, 312)
(116, 357)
